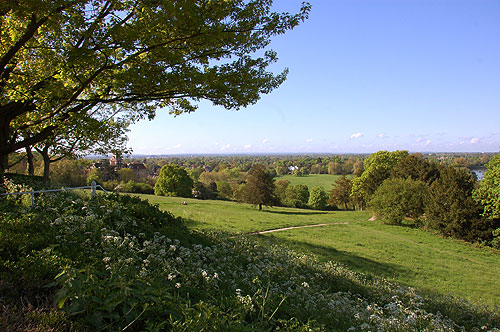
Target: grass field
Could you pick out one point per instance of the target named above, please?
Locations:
(312, 180)
(403, 254)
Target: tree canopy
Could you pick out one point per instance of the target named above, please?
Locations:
(173, 181)
(488, 193)
(259, 188)
(100, 59)
(377, 168)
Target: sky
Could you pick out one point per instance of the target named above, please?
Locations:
(365, 75)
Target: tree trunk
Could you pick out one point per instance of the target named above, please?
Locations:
(260, 207)
(46, 168)
(31, 165)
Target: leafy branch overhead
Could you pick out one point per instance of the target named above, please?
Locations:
(67, 57)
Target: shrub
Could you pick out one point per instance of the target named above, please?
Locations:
(318, 198)
(397, 199)
(297, 195)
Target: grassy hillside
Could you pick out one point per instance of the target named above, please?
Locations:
(403, 254)
(312, 180)
(116, 263)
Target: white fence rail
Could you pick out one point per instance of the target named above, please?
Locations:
(92, 186)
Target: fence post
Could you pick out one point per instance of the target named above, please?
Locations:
(93, 184)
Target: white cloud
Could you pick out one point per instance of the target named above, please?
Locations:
(247, 146)
(356, 135)
(381, 135)
(176, 146)
(420, 139)
(474, 140)
(309, 140)
(225, 147)
(265, 140)
(427, 142)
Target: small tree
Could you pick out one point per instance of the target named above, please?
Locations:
(397, 199)
(297, 195)
(281, 186)
(318, 198)
(340, 195)
(259, 187)
(173, 181)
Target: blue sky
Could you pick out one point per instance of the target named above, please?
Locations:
(365, 75)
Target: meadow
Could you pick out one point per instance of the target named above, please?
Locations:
(406, 255)
(312, 180)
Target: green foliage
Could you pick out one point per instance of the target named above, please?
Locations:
(397, 199)
(377, 168)
(122, 264)
(134, 187)
(340, 195)
(259, 188)
(488, 193)
(318, 198)
(201, 191)
(281, 186)
(149, 56)
(126, 174)
(297, 195)
(415, 167)
(451, 208)
(173, 181)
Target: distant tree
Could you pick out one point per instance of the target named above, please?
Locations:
(281, 170)
(201, 191)
(316, 169)
(224, 189)
(126, 174)
(318, 198)
(259, 187)
(357, 168)
(397, 199)
(173, 181)
(297, 195)
(334, 168)
(340, 195)
(69, 172)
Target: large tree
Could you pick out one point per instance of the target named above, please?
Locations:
(173, 180)
(61, 59)
(378, 167)
(259, 187)
(488, 193)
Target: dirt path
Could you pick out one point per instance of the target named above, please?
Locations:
(294, 227)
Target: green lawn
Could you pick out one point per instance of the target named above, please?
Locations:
(403, 254)
(312, 180)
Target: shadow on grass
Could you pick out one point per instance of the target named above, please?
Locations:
(304, 213)
(355, 262)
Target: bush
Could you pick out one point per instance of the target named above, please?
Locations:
(318, 198)
(297, 195)
(397, 199)
(173, 181)
(134, 187)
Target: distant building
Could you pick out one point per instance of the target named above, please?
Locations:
(139, 169)
(116, 162)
